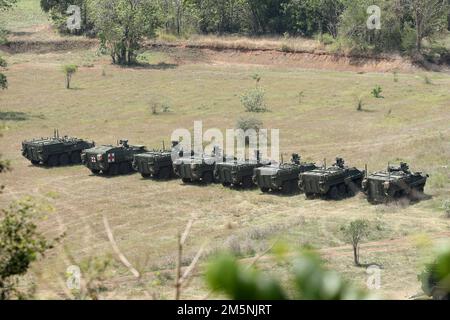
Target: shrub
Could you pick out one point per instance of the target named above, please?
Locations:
(301, 95)
(376, 92)
(395, 73)
(20, 245)
(325, 38)
(156, 107)
(247, 123)
(360, 104)
(254, 100)
(354, 233)
(310, 281)
(3, 82)
(69, 70)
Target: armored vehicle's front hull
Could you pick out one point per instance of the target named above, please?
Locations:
(331, 183)
(55, 151)
(283, 178)
(111, 160)
(384, 189)
(154, 164)
(194, 170)
(235, 174)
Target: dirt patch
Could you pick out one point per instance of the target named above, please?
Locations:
(41, 47)
(311, 59)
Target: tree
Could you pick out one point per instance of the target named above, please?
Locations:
(6, 4)
(58, 14)
(69, 70)
(122, 25)
(354, 233)
(429, 17)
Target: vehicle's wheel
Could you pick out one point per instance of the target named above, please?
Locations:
(309, 196)
(333, 193)
(95, 171)
(264, 189)
(351, 191)
(124, 168)
(207, 177)
(113, 169)
(287, 187)
(164, 174)
(75, 158)
(146, 175)
(247, 182)
(226, 184)
(64, 159)
(294, 186)
(186, 180)
(34, 162)
(53, 161)
(342, 190)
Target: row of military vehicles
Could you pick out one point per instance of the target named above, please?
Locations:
(334, 182)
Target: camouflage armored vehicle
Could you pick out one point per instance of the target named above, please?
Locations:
(196, 168)
(335, 182)
(55, 151)
(155, 164)
(394, 183)
(238, 172)
(111, 160)
(282, 177)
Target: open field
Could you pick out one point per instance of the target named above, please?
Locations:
(107, 103)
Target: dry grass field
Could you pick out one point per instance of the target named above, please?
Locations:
(107, 103)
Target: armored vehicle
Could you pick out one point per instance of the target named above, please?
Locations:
(111, 160)
(335, 182)
(238, 172)
(196, 168)
(155, 164)
(394, 183)
(281, 177)
(55, 151)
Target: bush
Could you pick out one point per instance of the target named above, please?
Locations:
(325, 39)
(376, 92)
(408, 39)
(360, 104)
(310, 281)
(3, 82)
(69, 70)
(254, 100)
(247, 123)
(20, 245)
